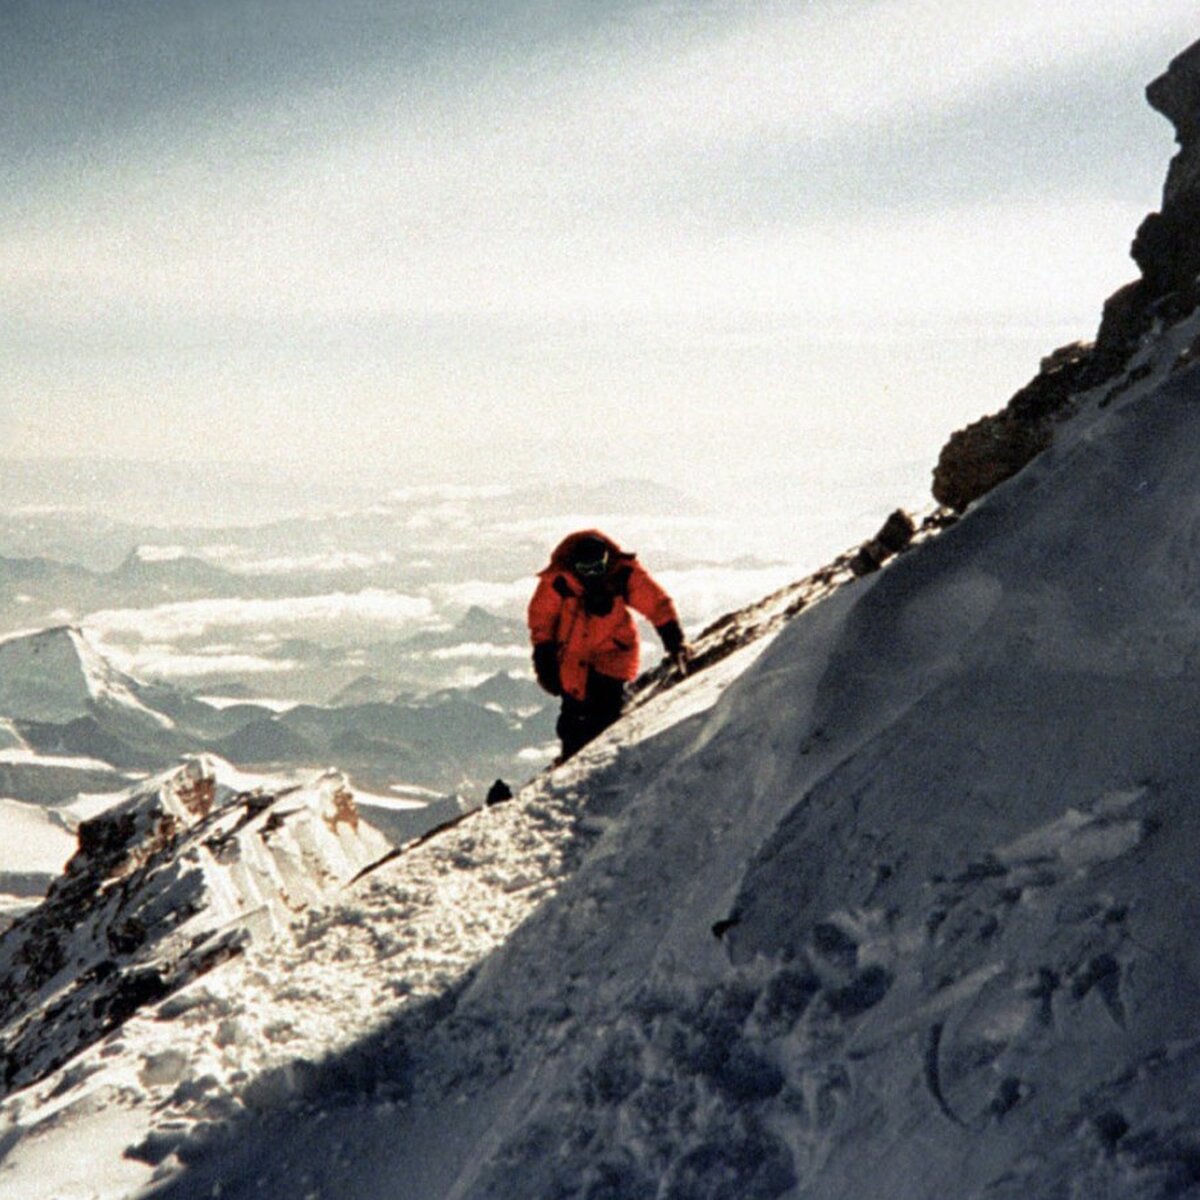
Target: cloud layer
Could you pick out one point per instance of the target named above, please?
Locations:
(192, 619)
(464, 239)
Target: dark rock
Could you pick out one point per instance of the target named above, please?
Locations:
(125, 936)
(1176, 95)
(103, 841)
(1125, 320)
(993, 449)
(895, 535)
(1166, 249)
(498, 793)
(897, 531)
(133, 990)
(1059, 377)
(985, 454)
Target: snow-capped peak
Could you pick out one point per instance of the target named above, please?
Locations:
(57, 675)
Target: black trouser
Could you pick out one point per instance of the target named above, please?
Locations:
(582, 720)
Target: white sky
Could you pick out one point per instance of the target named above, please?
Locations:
(710, 242)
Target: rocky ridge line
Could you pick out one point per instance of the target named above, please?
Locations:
(1166, 249)
(164, 886)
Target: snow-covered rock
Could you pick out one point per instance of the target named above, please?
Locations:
(163, 886)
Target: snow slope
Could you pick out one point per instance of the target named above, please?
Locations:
(177, 879)
(895, 901)
(255, 1035)
(944, 829)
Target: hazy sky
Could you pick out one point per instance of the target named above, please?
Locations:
(496, 239)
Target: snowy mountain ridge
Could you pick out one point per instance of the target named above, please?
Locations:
(164, 886)
(748, 969)
(894, 901)
(701, 961)
(76, 722)
(261, 1035)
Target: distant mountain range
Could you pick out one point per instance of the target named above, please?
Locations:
(33, 588)
(71, 721)
(365, 597)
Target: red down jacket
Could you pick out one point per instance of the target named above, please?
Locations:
(587, 637)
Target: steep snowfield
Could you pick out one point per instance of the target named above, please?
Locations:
(296, 1015)
(906, 912)
(897, 903)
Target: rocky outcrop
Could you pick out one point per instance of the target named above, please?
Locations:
(164, 886)
(1166, 249)
(894, 536)
(1176, 95)
(992, 449)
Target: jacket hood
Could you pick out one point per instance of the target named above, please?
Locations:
(564, 552)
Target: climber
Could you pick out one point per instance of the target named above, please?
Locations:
(585, 643)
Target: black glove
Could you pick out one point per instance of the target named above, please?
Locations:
(677, 650)
(672, 637)
(545, 667)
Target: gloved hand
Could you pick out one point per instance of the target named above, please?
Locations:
(678, 652)
(545, 667)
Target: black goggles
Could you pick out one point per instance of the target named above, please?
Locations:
(591, 568)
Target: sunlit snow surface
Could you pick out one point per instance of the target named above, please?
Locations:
(902, 908)
(248, 1038)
